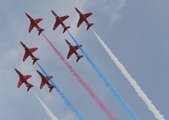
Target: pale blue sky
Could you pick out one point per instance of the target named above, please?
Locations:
(135, 31)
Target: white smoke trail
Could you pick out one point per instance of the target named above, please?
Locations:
(137, 88)
(51, 115)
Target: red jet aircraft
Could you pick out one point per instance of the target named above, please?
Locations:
(28, 52)
(34, 23)
(23, 79)
(83, 17)
(45, 80)
(73, 50)
(59, 20)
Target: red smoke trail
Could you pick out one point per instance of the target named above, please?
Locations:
(102, 106)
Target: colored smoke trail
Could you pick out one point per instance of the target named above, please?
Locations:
(137, 88)
(51, 115)
(117, 95)
(80, 80)
(62, 95)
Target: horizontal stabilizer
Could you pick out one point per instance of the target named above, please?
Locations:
(35, 59)
(78, 57)
(66, 27)
(40, 31)
(89, 25)
(51, 87)
(29, 86)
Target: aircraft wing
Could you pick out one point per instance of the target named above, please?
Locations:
(64, 17)
(20, 83)
(38, 20)
(25, 56)
(80, 21)
(76, 47)
(42, 84)
(56, 24)
(31, 27)
(87, 14)
(27, 77)
(69, 53)
(43, 79)
(32, 50)
(48, 78)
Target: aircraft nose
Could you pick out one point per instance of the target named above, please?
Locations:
(66, 40)
(15, 69)
(21, 42)
(26, 14)
(37, 71)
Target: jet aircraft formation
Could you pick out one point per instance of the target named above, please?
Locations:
(29, 51)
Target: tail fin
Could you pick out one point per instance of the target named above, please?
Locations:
(51, 87)
(65, 28)
(29, 86)
(89, 25)
(40, 30)
(78, 57)
(34, 60)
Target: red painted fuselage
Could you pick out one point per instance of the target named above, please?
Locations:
(83, 17)
(34, 23)
(29, 52)
(45, 80)
(73, 49)
(59, 20)
(23, 79)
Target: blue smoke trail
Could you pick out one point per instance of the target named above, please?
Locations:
(117, 95)
(62, 95)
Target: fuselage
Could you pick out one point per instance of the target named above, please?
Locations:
(58, 18)
(45, 79)
(71, 47)
(82, 16)
(21, 76)
(27, 50)
(78, 11)
(33, 21)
